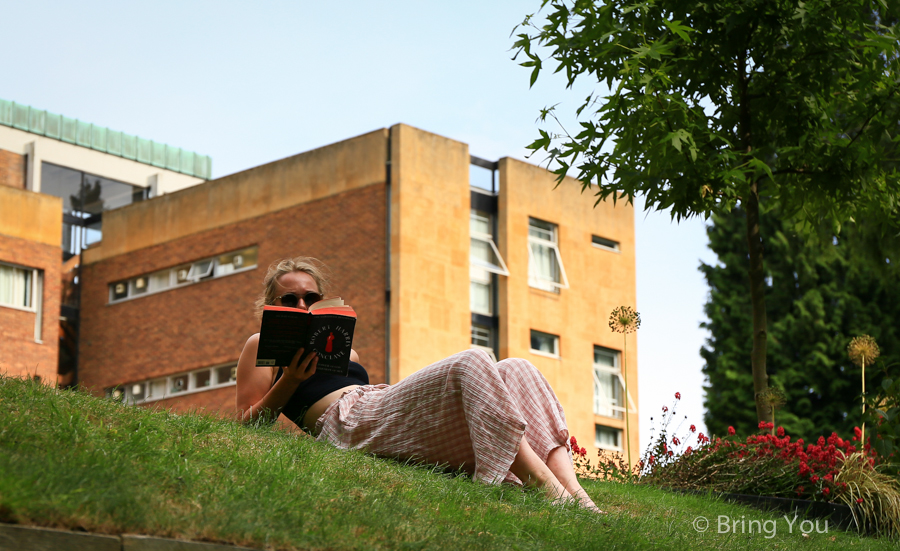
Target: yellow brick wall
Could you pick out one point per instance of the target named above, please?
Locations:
(599, 281)
(30, 216)
(430, 316)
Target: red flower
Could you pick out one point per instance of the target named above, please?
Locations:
(675, 441)
(688, 451)
(859, 500)
(857, 433)
(730, 431)
(826, 491)
(665, 409)
(814, 478)
(780, 432)
(693, 428)
(804, 469)
(573, 442)
(671, 453)
(828, 477)
(678, 396)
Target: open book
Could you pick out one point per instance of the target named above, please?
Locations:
(326, 328)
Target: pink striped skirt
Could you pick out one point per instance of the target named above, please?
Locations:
(464, 411)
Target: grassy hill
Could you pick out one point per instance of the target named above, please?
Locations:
(69, 460)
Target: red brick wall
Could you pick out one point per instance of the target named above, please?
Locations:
(20, 356)
(207, 323)
(12, 169)
(218, 402)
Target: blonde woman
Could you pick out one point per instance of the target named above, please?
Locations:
(497, 421)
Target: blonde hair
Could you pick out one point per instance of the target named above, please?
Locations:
(306, 264)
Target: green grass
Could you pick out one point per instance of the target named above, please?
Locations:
(68, 460)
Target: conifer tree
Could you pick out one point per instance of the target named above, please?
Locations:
(822, 292)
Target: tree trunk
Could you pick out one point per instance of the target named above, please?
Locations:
(758, 302)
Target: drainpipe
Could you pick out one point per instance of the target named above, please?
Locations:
(389, 379)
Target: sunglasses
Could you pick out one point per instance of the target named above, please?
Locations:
(291, 300)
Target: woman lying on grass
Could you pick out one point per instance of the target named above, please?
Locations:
(497, 421)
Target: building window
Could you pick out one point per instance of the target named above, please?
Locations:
(608, 384)
(484, 262)
(545, 267)
(483, 339)
(85, 196)
(605, 244)
(18, 287)
(23, 289)
(179, 384)
(544, 344)
(207, 268)
(607, 438)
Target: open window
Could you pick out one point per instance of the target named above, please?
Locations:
(609, 385)
(545, 266)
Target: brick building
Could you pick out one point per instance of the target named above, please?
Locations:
(432, 260)
(57, 178)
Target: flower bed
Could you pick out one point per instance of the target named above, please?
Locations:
(768, 464)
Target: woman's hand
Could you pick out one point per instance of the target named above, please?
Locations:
(301, 370)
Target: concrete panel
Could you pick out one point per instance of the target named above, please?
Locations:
(30, 216)
(306, 177)
(430, 316)
(90, 160)
(29, 538)
(599, 281)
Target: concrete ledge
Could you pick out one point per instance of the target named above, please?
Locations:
(30, 538)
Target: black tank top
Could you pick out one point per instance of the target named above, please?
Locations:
(317, 387)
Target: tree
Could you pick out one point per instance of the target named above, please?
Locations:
(824, 291)
(719, 103)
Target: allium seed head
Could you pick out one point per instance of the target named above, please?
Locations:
(863, 349)
(624, 319)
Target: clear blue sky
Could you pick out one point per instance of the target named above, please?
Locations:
(249, 83)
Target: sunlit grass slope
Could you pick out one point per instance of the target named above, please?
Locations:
(69, 460)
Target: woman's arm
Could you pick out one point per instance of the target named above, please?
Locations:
(256, 396)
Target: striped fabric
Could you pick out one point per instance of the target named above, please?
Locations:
(464, 411)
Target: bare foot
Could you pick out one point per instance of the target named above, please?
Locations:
(585, 501)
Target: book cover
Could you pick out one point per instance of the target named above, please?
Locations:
(327, 329)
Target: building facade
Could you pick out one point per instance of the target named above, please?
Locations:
(432, 261)
(58, 176)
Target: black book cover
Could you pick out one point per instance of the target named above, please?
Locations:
(328, 331)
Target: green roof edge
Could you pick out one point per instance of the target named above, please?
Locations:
(106, 140)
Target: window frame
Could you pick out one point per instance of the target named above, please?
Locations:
(155, 279)
(620, 436)
(167, 382)
(556, 346)
(616, 246)
(33, 288)
(534, 280)
(617, 371)
(487, 238)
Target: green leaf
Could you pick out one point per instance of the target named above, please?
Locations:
(679, 29)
